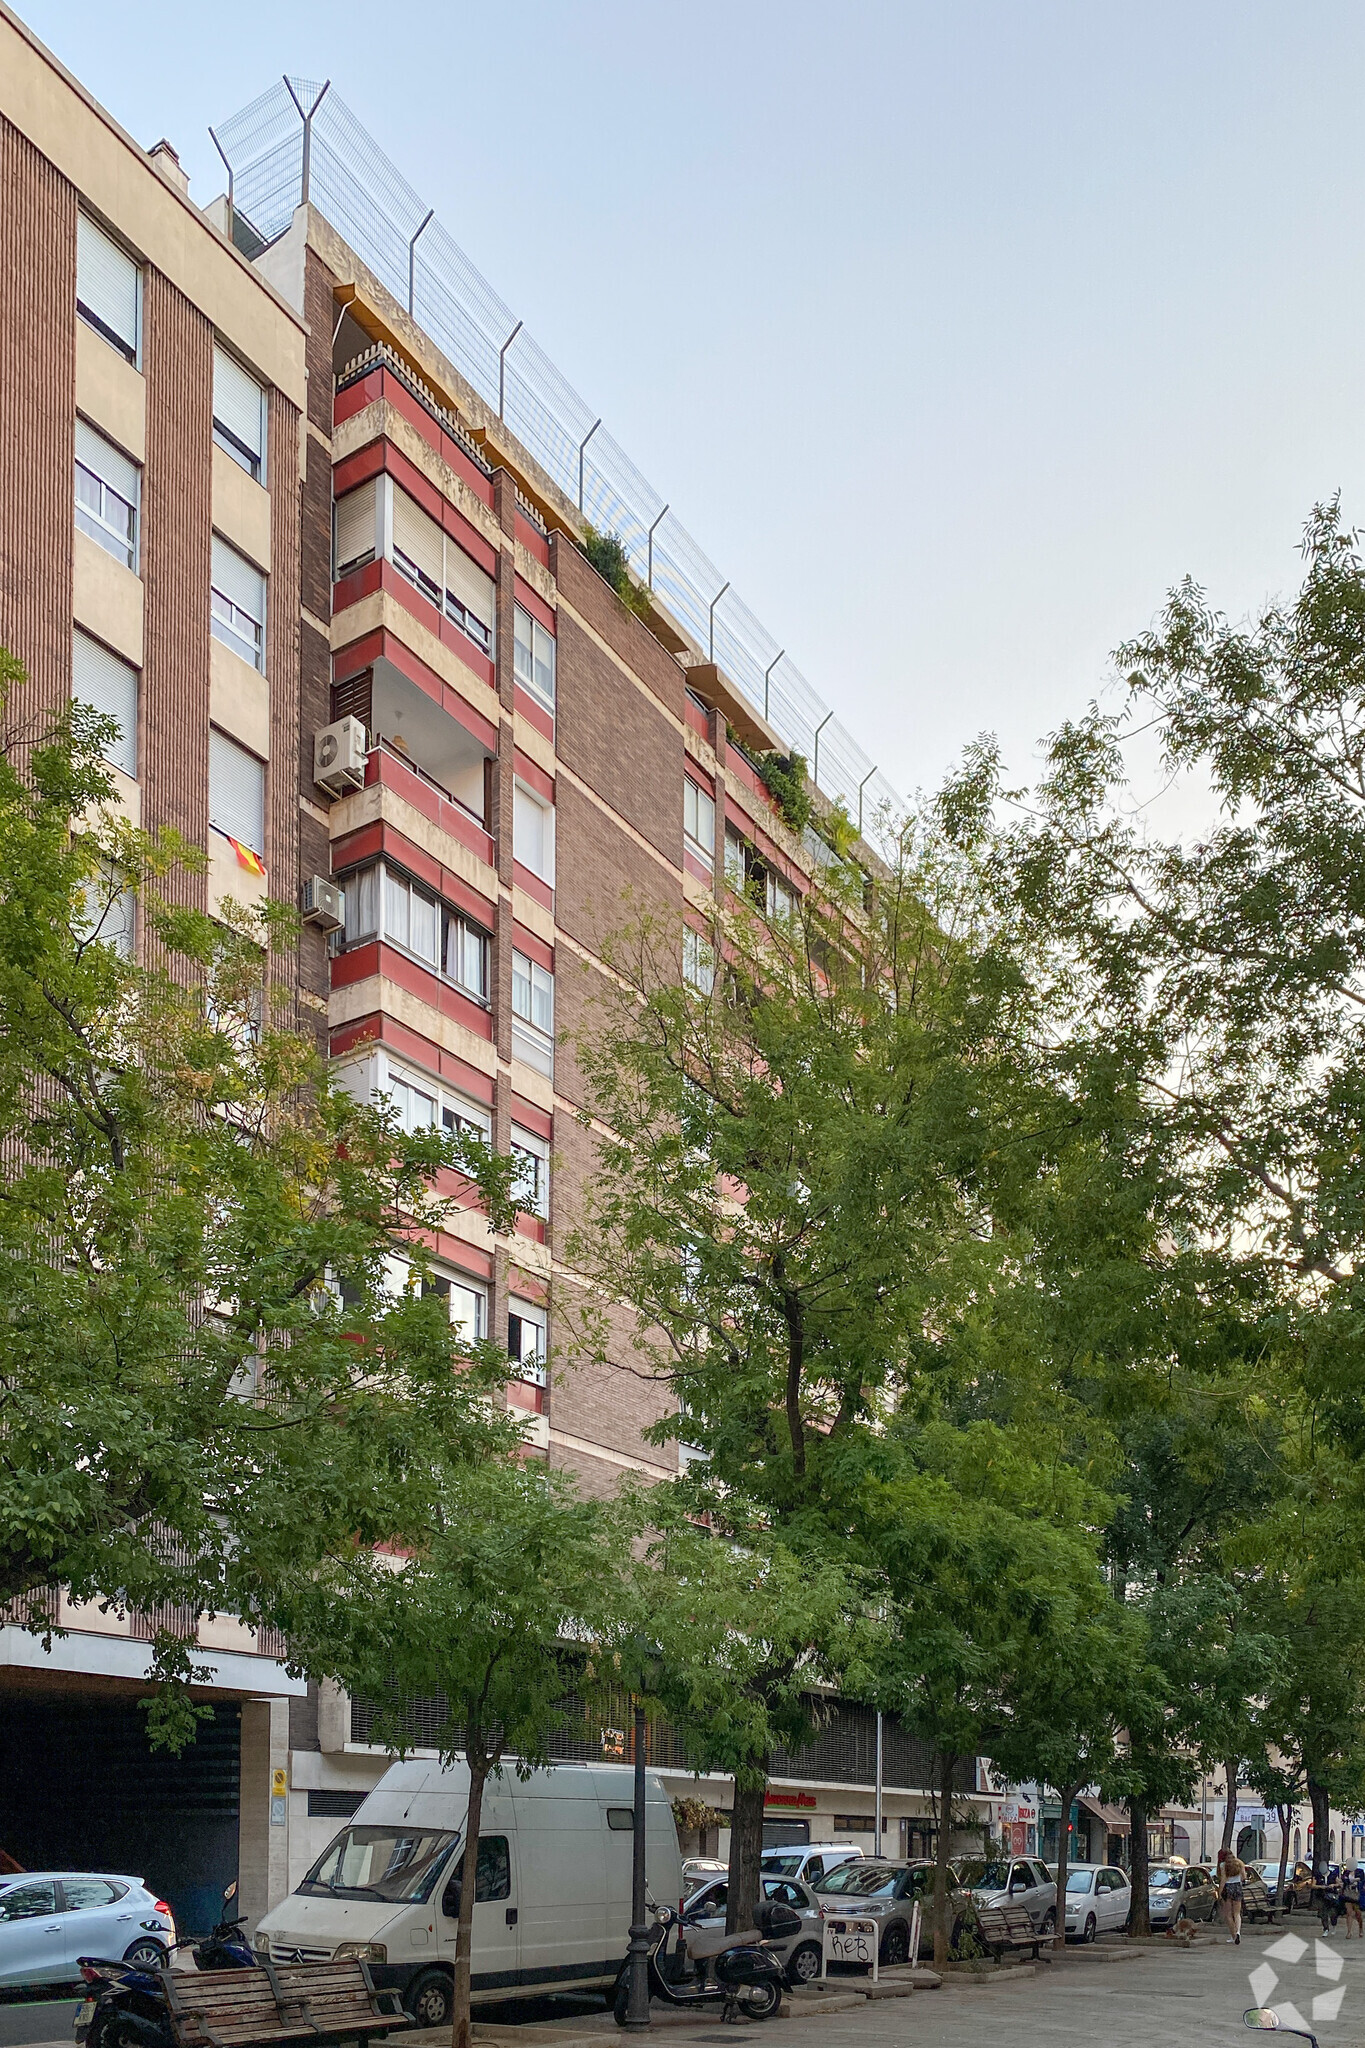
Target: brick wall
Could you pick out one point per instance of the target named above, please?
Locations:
(609, 733)
(38, 444)
(177, 525)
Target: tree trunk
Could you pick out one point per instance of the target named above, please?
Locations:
(1141, 1922)
(1321, 1802)
(1283, 1813)
(1063, 1858)
(461, 2032)
(1231, 1770)
(947, 1764)
(746, 1847)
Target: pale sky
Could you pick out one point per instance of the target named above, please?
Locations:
(953, 333)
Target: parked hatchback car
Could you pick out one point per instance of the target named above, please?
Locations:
(1298, 1882)
(1176, 1891)
(1098, 1899)
(50, 1918)
(887, 1892)
(800, 1953)
(810, 1861)
(1015, 1881)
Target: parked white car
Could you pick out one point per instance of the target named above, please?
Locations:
(1099, 1898)
(801, 1953)
(809, 1861)
(49, 1918)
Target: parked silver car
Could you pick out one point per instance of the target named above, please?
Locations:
(887, 1892)
(812, 1862)
(1176, 1891)
(49, 1918)
(801, 1953)
(1015, 1881)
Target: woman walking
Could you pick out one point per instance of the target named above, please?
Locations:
(1234, 1886)
(1353, 1898)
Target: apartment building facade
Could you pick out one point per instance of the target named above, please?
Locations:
(358, 655)
(154, 386)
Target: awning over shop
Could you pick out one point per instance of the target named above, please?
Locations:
(1114, 1818)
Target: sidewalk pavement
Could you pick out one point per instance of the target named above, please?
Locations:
(1157, 1996)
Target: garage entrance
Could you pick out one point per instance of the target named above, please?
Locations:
(80, 1789)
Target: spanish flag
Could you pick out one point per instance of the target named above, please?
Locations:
(252, 862)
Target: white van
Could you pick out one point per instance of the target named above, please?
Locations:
(552, 1904)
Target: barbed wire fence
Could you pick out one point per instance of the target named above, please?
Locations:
(300, 140)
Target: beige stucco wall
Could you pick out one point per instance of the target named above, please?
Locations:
(111, 393)
(107, 598)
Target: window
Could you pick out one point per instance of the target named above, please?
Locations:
(239, 413)
(28, 1901)
(621, 1819)
(534, 656)
(381, 902)
(526, 1339)
(238, 604)
(782, 901)
(699, 962)
(109, 686)
(108, 288)
(422, 1104)
(533, 1013)
(468, 1305)
(356, 533)
(108, 912)
(106, 495)
(736, 860)
(236, 792)
(81, 1893)
(533, 832)
(699, 821)
(492, 1876)
(441, 570)
(532, 1184)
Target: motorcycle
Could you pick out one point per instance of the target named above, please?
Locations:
(125, 2005)
(749, 1978)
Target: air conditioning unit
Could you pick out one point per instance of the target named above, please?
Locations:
(324, 903)
(339, 756)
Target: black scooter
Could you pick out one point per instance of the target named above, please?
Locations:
(749, 1979)
(125, 2004)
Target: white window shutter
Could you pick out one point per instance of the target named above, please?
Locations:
(106, 282)
(355, 526)
(238, 403)
(466, 581)
(238, 579)
(100, 679)
(417, 537)
(236, 791)
(106, 462)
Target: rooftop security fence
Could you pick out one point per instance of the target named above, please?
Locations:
(300, 140)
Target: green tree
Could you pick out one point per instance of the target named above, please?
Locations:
(194, 1409)
(489, 1614)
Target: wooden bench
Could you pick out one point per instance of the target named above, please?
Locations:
(279, 2002)
(1004, 1927)
(1256, 1901)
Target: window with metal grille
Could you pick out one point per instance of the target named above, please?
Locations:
(236, 792)
(238, 603)
(534, 656)
(107, 493)
(239, 414)
(108, 685)
(108, 288)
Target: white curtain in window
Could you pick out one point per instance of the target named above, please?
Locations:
(238, 403)
(106, 282)
(236, 791)
(100, 679)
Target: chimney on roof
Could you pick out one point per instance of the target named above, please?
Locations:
(168, 163)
